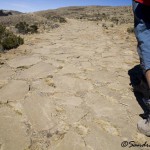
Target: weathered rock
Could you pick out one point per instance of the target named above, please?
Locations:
(13, 91)
(40, 111)
(97, 139)
(69, 100)
(71, 141)
(73, 84)
(102, 76)
(24, 61)
(6, 73)
(37, 71)
(45, 85)
(74, 114)
(42, 51)
(12, 131)
(70, 69)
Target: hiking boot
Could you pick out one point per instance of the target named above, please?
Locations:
(144, 126)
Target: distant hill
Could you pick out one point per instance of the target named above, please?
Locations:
(9, 12)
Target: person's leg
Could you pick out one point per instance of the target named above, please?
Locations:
(142, 32)
(140, 28)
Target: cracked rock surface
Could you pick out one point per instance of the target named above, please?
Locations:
(68, 89)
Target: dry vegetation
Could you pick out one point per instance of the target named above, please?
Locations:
(94, 13)
(46, 20)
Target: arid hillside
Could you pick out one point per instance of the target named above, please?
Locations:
(92, 13)
(95, 13)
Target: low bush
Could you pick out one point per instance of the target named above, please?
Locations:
(33, 28)
(8, 40)
(62, 20)
(22, 27)
(2, 31)
(25, 28)
(115, 20)
(57, 19)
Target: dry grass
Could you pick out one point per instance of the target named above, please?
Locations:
(93, 13)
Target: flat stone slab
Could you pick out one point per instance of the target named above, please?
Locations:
(39, 111)
(6, 73)
(74, 114)
(45, 85)
(13, 134)
(69, 100)
(71, 141)
(68, 83)
(13, 91)
(98, 139)
(23, 61)
(70, 69)
(40, 70)
(102, 76)
(42, 51)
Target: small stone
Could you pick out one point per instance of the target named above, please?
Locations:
(59, 109)
(50, 76)
(60, 67)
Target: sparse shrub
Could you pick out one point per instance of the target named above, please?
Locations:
(115, 20)
(33, 28)
(105, 16)
(94, 16)
(2, 32)
(54, 26)
(20, 40)
(130, 30)
(8, 40)
(12, 41)
(25, 28)
(62, 20)
(22, 27)
(57, 19)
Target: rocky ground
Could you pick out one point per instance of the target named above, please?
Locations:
(68, 89)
